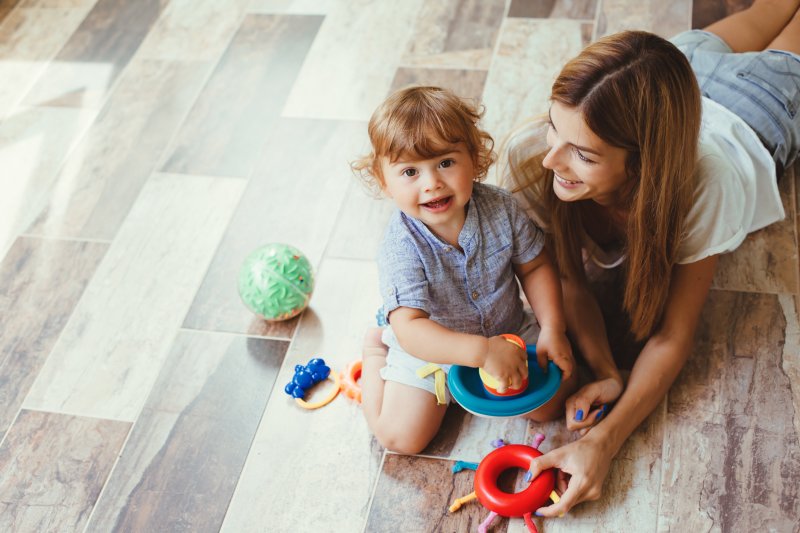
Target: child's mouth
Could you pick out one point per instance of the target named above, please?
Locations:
(439, 204)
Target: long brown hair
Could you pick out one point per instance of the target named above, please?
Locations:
(635, 91)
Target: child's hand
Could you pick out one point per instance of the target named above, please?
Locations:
(553, 345)
(506, 362)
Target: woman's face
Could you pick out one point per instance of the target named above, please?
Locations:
(585, 166)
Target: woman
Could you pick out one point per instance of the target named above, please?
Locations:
(659, 157)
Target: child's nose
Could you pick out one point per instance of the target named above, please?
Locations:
(433, 182)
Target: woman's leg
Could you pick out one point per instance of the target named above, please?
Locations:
(404, 419)
(754, 28)
(789, 38)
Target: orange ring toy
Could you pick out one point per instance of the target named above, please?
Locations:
(519, 503)
(350, 377)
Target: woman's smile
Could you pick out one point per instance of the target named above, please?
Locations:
(566, 183)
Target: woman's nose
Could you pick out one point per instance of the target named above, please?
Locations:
(552, 159)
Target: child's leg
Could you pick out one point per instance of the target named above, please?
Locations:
(754, 28)
(789, 38)
(404, 419)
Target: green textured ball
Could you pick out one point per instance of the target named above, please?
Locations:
(276, 281)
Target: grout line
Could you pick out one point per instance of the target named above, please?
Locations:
(110, 473)
(8, 430)
(441, 67)
(235, 334)
(262, 421)
(374, 490)
(61, 238)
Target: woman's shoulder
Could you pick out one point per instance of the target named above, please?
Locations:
(717, 220)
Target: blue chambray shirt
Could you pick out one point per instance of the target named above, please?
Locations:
(474, 291)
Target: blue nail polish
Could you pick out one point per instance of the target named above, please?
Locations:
(528, 476)
(537, 513)
(579, 415)
(600, 414)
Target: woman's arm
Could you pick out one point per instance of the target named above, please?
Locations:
(588, 459)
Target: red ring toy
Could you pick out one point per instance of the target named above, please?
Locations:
(350, 377)
(519, 503)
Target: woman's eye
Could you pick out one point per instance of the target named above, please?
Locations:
(447, 163)
(410, 172)
(582, 157)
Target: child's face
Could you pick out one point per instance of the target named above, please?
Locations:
(434, 190)
(585, 166)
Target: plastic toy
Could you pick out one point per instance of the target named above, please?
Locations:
(500, 503)
(276, 281)
(468, 390)
(491, 384)
(306, 377)
(349, 378)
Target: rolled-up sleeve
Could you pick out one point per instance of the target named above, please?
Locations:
(528, 238)
(403, 281)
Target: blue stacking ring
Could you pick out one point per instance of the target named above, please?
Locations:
(467, 389)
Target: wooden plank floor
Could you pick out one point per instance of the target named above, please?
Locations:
(149, 146)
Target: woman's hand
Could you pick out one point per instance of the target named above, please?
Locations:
(583, 466)
(552, 344)
(506, 362)
(591, 403)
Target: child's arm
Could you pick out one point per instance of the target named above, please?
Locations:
(423, 338)
(542, 288)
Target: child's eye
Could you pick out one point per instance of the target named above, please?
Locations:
(447, 163)
(410, 172)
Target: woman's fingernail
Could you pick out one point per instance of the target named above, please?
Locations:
(528, 476)
(537, 513)
(579, 415)
(599, 414)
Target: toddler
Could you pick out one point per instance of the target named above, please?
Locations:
(448, 266)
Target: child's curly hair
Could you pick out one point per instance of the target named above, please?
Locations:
(422, 122)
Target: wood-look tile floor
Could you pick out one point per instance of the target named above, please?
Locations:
(148, 146)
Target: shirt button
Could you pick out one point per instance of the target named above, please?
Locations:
(474, 295)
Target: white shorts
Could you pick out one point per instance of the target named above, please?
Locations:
(401, 366)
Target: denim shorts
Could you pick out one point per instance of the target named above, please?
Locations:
(763, 88)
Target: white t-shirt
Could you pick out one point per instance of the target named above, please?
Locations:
(737, 190)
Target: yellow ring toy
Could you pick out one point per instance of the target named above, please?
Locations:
(325, 401)
(350, 376)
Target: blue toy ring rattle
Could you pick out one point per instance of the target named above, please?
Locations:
(468, 390)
